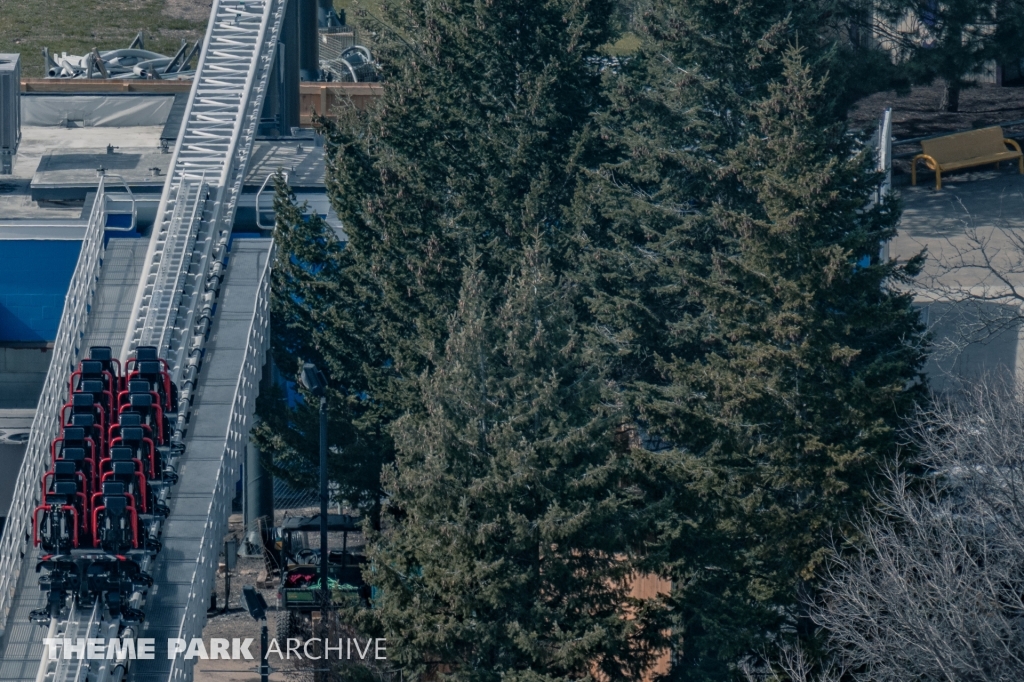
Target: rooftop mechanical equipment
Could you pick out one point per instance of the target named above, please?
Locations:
(10, 110)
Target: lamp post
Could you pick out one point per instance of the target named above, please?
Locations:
(257, 606)
(313, 381)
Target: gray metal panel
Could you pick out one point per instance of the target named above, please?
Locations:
(112, 303)
(205, 444)
(199, 469)
(10, 102)
(174, 571)
(206, 433)
(23, 641)
(66, 230)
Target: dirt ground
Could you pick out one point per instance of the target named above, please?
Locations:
(917, 115)
(235, 621)
(189, 10)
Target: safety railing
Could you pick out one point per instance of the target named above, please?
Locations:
(177, 253)
(884, 167)
(885, 152)
(115, 202)
(66, 354)
(259, 196)
(237, 435)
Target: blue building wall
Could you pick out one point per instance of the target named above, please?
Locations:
(34, 279)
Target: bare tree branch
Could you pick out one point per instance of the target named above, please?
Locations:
(934, 589)
(974, 276)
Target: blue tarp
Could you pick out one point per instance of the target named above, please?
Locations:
(34, 280)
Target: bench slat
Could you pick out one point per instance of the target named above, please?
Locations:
(965, 150)
(963, 146)
(980, 160)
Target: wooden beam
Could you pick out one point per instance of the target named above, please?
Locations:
(103, 85)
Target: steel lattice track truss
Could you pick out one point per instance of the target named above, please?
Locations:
(207, 171)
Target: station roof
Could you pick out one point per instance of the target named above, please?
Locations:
(56, 167)
(36, 141)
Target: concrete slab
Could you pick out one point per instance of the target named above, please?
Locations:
(15, 193)
(302, 160)
(22, 374)
(38, 140)
(14, 429)
(990, 202)
(66, 175)
(973, 233)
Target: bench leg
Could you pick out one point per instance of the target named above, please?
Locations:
(938, 179)
(913, 171)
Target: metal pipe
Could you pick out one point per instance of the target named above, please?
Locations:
(188, 59)
(264, 666)
(325, 591)
(99, 63)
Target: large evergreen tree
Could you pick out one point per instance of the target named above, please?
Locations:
(477, 140)
(470, 160)
(765, 350)
(489, 304)
(808, 360)
(675, 109)
(511, 561)
(317, 316)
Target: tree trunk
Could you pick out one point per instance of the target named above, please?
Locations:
(951, 97)
(375, 514)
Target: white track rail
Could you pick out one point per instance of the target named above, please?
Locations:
(180, 241)
(80, 625)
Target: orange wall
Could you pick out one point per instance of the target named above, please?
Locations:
(313, 97)
(648, 587)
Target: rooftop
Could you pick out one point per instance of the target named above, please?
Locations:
(37, 141)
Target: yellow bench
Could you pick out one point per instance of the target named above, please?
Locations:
(965, 150)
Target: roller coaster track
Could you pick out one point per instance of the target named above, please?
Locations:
(210, 324)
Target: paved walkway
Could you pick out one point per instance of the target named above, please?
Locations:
(973, 230)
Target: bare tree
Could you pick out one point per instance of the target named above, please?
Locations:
(790, 663)
(934, 587)
(953, 40)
